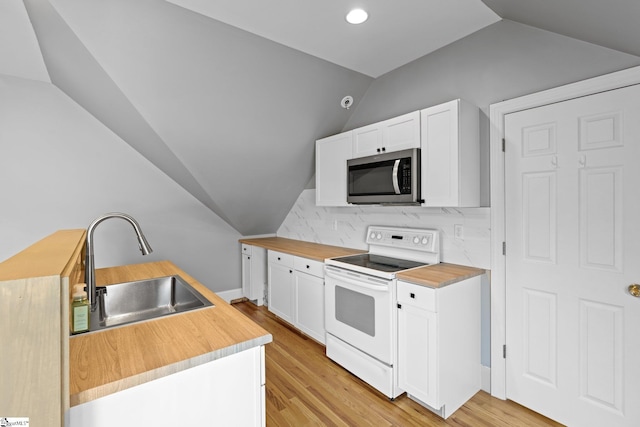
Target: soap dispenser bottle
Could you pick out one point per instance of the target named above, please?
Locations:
(79, 310)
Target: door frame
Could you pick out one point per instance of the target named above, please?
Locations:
(497, 112)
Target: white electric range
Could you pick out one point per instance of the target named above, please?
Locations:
(360, 302)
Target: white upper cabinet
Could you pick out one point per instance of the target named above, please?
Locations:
(398, 133)
(450, 155)
(332, 154)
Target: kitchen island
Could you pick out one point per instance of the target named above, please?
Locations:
(194, 365)
(192, 368)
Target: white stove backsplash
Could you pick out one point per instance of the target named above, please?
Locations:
(347, 226)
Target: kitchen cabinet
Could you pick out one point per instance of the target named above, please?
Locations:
(225, 391)
(450, 155)
(332, 154)
(309, 297)
(398, 133)
(280, 285)
(439, 343)
(296, 292)
(254, 273)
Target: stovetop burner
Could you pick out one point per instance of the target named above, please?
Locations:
(379, 262)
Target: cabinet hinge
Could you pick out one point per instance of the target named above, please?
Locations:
(504, 351)
(504, 248)
(504, 143)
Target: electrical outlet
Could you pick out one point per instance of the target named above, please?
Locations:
(458, 231)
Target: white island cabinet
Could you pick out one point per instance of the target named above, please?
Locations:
(224, 392)
(296, 292)
(439, 343)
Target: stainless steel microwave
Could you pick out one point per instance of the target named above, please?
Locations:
(387, 178)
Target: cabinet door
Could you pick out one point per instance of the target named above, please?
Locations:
(398, 133)
(224, 392)
(246, 275)
(332, 154)
(417, 354)
(402, 132)
(281, 291)
(309, 293)
(367, 140)
(450, 155)
(254, 273)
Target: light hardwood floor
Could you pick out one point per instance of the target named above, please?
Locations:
(305, 388)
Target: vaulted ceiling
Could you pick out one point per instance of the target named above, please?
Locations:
(228, 97)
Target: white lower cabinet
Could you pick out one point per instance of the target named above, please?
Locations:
(439, 343)
(296, 292)
(281, 285)
(254, 273)
(309, 298)
(205, 395)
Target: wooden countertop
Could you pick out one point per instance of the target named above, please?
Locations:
(435, 276)
(439, 275)
(315, 251)
(111, 360)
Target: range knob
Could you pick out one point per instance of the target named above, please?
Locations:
(425, 240)
(416, 240)
(372, 235)
(379, 236)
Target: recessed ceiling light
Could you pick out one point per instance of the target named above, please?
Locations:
(357, 16)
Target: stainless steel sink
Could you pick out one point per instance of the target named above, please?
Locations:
(130, 302)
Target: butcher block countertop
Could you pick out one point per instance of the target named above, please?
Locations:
(315, 251)
(111, 360)
(435, 276)
(439, 275)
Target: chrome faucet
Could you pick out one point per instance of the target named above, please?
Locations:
(89, 265)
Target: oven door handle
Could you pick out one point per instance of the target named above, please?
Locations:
(394, 176)
(358, 283)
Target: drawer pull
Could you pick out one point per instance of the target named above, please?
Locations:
(399, 305)
(412, 295)
(278, 258)
(307, 266)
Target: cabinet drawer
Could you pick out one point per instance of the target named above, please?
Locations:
(281, 258)
(310, 266)
(246, 249)
(418, 296)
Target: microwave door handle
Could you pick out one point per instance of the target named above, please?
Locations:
(394, 176)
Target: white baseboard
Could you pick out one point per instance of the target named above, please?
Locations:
(485, 381)
(230, 295)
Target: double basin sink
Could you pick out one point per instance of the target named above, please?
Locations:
(130, 302)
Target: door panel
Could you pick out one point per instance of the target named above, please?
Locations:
(573, 248)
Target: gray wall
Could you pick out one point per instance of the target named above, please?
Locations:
(60, 168)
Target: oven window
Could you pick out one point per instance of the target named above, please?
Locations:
(356, 310)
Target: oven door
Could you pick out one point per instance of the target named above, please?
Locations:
(359, 311)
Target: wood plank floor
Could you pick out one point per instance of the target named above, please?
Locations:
(305, 388)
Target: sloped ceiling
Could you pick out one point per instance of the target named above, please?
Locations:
(397, 32)
(232, 116)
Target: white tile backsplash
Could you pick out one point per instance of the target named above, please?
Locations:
(347, 226)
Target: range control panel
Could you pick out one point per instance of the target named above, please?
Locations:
(426, 240)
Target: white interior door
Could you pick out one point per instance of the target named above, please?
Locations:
(573, 248)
